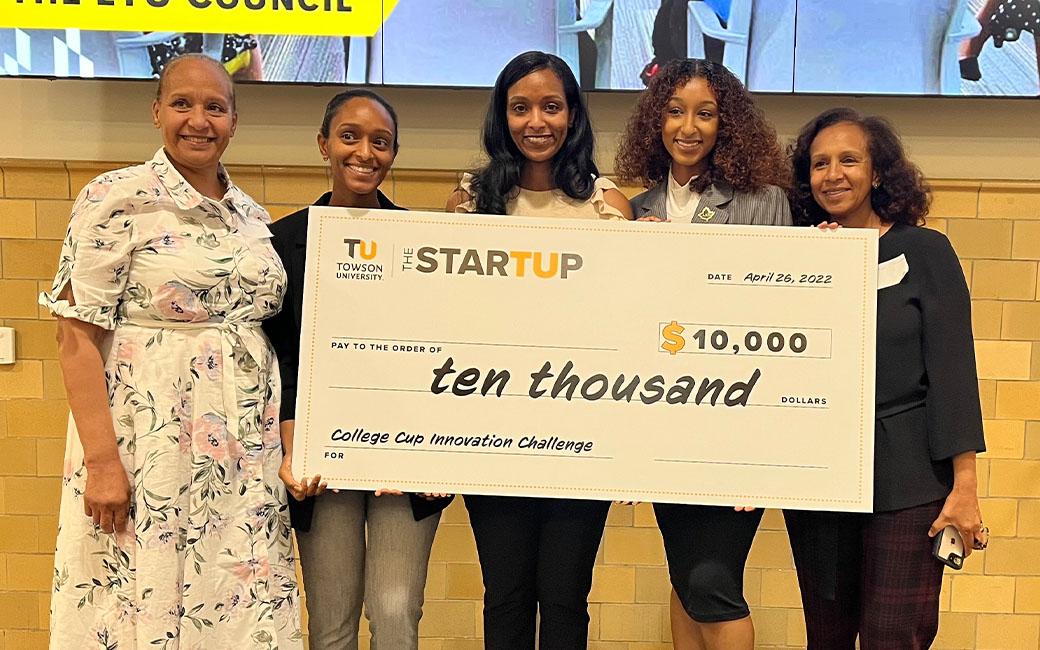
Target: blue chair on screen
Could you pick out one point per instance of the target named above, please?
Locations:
(705, 18)
(598, 17)
(720, 7)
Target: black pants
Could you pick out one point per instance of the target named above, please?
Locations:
(867, 574)
(536, 556)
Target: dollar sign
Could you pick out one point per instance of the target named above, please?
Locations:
(674, 339)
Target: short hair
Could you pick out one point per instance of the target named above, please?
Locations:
(747, 154)
(194, 56)
(573, 166)
(903, 196)
(342, 98)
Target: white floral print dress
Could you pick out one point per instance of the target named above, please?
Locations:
(182, 282)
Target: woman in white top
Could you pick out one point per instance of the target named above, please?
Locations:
(698, 141)
(537, 554)
(538, 138)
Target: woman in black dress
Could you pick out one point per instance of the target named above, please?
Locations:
(874, 575)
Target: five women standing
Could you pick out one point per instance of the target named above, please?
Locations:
(168, 269)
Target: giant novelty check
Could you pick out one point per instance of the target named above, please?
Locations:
(588, 359)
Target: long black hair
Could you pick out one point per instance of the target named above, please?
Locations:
(573, 167)
(342, 98)
(901, 196)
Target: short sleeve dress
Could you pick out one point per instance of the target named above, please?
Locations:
(181, 283)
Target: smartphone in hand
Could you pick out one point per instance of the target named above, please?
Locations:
(948, 548)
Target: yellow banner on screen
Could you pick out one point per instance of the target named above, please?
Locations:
(302, 17)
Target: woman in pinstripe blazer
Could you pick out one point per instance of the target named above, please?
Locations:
(707, 155)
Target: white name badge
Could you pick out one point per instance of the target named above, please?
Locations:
(892, 272)
(589, 359)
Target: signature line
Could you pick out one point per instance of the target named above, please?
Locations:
(500, 345)
(465, 451)
(723, 462)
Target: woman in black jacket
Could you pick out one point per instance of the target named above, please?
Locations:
(341, 569)
(874, 575)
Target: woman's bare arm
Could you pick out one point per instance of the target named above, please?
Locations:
(615, 199)
(106, 498)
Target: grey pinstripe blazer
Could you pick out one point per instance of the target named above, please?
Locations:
(720, 203)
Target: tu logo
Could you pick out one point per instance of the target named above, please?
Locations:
(362, 247)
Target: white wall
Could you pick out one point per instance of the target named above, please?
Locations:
(110, 120)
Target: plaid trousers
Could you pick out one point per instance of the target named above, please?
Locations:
(868, 574)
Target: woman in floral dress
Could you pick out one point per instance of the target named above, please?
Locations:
(173, 532)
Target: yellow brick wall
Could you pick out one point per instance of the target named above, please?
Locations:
(993, 603)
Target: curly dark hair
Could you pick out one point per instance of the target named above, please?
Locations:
(573, 167)
(903, 196)
(747, 154)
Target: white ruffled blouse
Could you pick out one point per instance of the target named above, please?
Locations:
(550, 203)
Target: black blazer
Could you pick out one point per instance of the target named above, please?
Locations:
(290, 242)
(927, 391)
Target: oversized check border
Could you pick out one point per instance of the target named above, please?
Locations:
(317, 240)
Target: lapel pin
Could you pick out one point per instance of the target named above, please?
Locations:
(707, 214)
